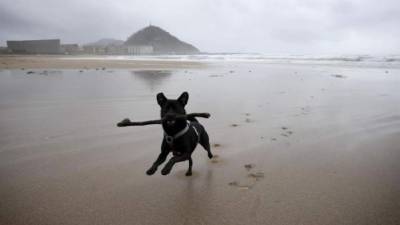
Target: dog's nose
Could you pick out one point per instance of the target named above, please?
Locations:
(170, 119)
(170, 122)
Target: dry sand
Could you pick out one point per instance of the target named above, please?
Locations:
(294, 145)
(87, 62)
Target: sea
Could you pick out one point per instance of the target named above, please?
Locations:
(374, 61)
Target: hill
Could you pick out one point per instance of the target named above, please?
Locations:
(162, 41)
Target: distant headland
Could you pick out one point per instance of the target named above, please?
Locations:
(151, 40)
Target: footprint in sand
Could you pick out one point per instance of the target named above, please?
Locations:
(216, 145)
(287, 132)
(248, 120)
(338, 76)
(251, 179)
(249, 166)
(215, 75)
(305, 110)
(234, 125)
(215, 159)
(240, 186)
(257, 175)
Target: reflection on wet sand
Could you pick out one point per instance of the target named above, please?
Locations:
(152, 78)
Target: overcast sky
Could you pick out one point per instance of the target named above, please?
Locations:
(264, 26)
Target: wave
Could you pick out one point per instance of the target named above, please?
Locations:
(357, 60)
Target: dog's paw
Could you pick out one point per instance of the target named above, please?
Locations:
(188, 173)
(166, 171)
(151, 171)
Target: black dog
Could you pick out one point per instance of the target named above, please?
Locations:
(180, 136)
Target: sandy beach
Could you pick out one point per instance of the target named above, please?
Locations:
(86, 62)
(294, 144)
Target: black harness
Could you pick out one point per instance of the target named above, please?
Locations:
(170, 139)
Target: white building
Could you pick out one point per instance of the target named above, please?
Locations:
(140, 49)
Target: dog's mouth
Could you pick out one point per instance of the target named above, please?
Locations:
(170, 119)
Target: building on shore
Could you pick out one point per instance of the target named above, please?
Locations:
(4, 50)
(119, 50)
(94, 50)
(70, 49)
(116, 50)
(53, 46)
(140, 49)
(50, 46)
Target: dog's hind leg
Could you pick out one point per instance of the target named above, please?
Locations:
(205, 142)
(168, 167)
(189, 172)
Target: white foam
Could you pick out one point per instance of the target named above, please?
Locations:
(387, 61)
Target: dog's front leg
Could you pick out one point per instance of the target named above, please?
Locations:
(161, 159)
(168, 167)
(189, 171)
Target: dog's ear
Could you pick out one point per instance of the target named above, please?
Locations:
(161, 99)
(183, 99)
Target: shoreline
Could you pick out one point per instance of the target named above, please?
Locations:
(160, 62)
(71, 62)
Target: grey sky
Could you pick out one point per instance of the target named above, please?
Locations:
(269, 26)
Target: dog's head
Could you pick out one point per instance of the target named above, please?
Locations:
(172, 107)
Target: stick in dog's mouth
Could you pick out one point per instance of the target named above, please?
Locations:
(170, 118)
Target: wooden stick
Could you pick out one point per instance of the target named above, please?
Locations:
(127, 122)
(193, 115)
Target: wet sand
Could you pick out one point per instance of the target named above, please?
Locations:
(295, 144)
